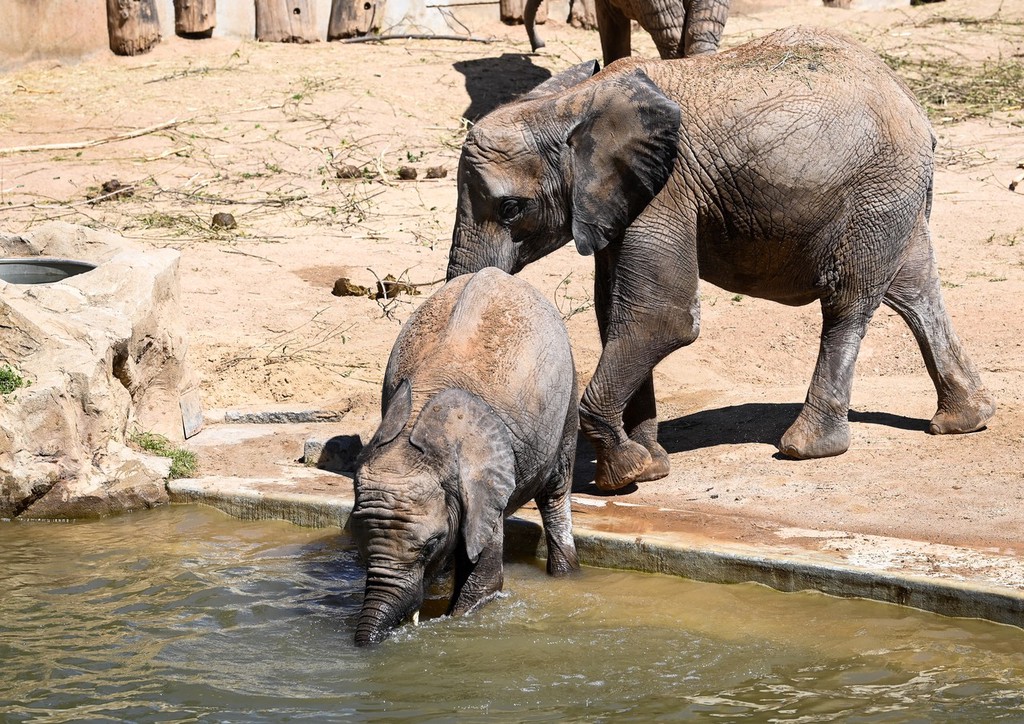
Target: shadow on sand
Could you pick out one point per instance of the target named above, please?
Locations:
(491, 82)
(755, 422)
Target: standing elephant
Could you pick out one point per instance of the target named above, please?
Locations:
(796, 168)
(480, 415)
(680, 28)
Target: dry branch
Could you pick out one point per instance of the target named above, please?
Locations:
(75, 145)
(416, 36)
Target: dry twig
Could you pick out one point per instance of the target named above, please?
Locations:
(75, 145)
(416, 36)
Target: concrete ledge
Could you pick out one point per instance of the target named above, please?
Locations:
(251, 504)
(673, 553)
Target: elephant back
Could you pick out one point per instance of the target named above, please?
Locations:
(497, 337)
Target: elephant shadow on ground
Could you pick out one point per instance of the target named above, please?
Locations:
(756, 422)
(491, 82)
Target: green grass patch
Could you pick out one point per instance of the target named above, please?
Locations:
(183, 462)
(10, 380)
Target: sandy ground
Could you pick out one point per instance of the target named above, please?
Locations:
(258, 130)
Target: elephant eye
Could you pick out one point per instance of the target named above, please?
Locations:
(430, 546)
(511, 209)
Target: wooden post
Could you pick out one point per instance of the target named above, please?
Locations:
(195, 18)
(583, 14)
(512, 12)
(133, 26)
(285, 21)
(351, 18)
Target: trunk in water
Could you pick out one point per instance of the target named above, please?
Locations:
(383, 610)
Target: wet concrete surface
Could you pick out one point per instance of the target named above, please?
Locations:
(257, 471)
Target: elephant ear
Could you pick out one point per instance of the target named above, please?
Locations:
(622, 151)
(459, 427)
(396, 415)
(563, 81)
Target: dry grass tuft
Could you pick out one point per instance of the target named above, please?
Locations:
(952, 91)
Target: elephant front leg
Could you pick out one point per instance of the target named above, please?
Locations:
(640, 417)
(618, 412)
(555, 506)
(823, 429)
(478, 582)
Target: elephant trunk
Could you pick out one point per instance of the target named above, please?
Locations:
(385, 605)
(472, 251)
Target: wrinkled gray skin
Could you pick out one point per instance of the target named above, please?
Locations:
(796, 168)
(480, 415)
(679, 27)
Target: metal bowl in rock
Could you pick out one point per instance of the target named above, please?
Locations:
(41, 269)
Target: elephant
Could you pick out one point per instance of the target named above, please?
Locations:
(680, 28)
(479, 415)
(795, 168)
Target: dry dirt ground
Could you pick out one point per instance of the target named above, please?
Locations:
(259, 130)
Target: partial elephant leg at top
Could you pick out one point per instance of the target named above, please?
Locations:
(822, 428)
(705, 22)
(614, 29)
(964, 403)
(641, 328)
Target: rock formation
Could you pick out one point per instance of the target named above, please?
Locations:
(104, 355)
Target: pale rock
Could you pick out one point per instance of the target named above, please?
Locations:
(105, 353)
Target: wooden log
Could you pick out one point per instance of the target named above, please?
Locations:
(286, 21)
(583, 14)
(511, 12)
(195, 18)
(133, 26)
(355, 18)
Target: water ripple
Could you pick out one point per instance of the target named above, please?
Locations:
(182, 614)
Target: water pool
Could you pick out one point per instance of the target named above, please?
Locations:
(185, 614)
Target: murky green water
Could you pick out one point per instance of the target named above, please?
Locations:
(183, 614)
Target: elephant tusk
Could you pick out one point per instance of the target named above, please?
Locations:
(416, 617)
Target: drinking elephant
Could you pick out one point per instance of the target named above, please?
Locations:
(480, 415)
(796, 168)
(679, 27)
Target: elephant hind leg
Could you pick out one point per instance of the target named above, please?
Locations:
(915, 294)
(822, 428)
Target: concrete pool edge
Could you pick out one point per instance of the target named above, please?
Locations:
(786, 569)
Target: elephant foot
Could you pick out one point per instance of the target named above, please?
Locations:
(562, 557)
(562, 564)
(967, 417)
(621, 466)
(659, 466)
(805, 441)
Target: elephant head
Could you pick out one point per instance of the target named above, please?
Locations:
(425, 498)
(577, 158)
